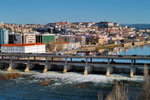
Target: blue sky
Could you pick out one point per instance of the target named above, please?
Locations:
(45, 11)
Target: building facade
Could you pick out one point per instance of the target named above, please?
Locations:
(22, 38)
(48, 38)
(23, 48)
(3, 36)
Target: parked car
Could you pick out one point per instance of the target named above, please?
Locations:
(98, 54)
(60, 53)
(83, 53)
(120, 55)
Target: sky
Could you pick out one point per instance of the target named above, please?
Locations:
(46, 11)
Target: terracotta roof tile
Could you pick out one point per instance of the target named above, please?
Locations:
(20, 45)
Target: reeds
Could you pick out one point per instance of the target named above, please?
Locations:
(145, 94)
(119, 92)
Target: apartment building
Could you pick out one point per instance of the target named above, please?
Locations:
(22, 38)
(3, 36)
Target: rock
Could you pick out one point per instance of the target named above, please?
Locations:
(9, 76)
(83, 85)
(45, 82)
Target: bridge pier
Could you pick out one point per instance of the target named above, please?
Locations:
(109, 69)
(47, 67)
(27, 67)
(67, 68)
(132, 69)
(10, 67)
(87, 70)
(132, 72)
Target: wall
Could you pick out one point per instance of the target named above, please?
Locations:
(23, 49)
(12, 49)
(48, 39)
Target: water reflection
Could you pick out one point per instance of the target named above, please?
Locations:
(134, 50)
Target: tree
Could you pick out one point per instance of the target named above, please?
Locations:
(59, 44)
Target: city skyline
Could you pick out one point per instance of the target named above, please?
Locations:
(45, 11)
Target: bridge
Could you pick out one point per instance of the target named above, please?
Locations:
(100, 64)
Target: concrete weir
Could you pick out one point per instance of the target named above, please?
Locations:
(27, 67)
(63, 64)
(87, 70)
(12, 66)
(67, 68)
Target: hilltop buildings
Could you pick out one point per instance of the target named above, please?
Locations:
(3, 36)
(67, 36)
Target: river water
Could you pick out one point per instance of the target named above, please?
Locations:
(70, 86)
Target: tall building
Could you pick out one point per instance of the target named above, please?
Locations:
(3, 36)
(11, 38)
(38, 38)
(22, 38)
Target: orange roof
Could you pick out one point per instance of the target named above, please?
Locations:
(20, 45)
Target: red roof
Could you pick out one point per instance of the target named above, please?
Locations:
(20, 45)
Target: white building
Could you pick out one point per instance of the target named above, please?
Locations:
(23, 48)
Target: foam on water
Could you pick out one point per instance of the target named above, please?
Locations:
(72, 77)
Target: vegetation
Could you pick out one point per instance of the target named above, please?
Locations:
(120, 91)
(145, 94)
(57, 45)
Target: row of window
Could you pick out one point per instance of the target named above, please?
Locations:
(13, 49)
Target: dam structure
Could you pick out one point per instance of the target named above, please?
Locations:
(106, 64)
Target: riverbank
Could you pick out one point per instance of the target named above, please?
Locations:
(110, 46)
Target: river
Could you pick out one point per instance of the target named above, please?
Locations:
(72, 85)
